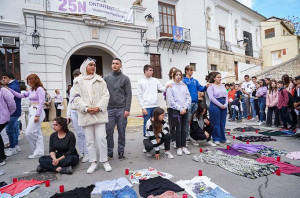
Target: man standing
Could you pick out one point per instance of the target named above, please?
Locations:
(252, 98)
(193, 87)
(246, 89)
(119, 88)
(12, 128)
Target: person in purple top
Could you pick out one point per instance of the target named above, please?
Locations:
(36, 96)
(8, 107)
(261, 93)
(217, 94)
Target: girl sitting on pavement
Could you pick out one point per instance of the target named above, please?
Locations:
(157, 133)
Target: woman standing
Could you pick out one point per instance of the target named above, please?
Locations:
(58, 102)
(91, 97)
(47, 105)
(261, 94)
(218, 107)
(179, 98)
(36, 96)
(63, 154)
(272, 102)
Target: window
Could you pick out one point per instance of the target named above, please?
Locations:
(167, 18)
(194, 65)
(10, 59)
(208, 18)
(155, 63)
(222, 38)
(213, 67)
(269, 33)
(249, 46)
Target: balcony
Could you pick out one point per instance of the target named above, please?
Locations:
(164, 34)
(224, 45)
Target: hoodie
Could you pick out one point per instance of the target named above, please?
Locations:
(14, 85)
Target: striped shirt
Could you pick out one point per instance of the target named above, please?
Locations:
(151, 135)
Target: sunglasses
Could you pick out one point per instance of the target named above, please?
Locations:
(91, 59)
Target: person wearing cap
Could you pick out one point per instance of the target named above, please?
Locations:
(91, 97)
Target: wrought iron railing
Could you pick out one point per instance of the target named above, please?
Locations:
(167, 31)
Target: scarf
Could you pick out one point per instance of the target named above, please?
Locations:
(87, 78)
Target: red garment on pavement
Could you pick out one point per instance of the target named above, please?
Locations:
(284, 167)
(19, 186)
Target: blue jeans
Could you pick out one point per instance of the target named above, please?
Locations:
(125, 192)
(217, 117)
(147, 117)
(239, 112)
(253, 107)
(244, 108)
(12, 130)
(262, 108)
(193, 107)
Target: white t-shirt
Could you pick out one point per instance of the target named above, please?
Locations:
(249, 87)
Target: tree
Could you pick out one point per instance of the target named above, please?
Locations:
(295, 21)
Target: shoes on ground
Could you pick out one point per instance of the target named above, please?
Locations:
(148, 154)
(259, 123)
(217, 142)
(179, 151)
(210, 143)
(107, 166)
(10, 152)
(33, 156)
(121, 156)
(110, 156)
(92, 168)
(187, 152)
(40, 169)
(169, 155)
(85, 158)
(66, 170)
(18, 149)
(2, 163)
(144, 150)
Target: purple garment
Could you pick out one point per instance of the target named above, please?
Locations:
(249, 148)
(215, 92)
(262, 91)
(230, 151)
(35, 96)
(7, 105)
(178, 96)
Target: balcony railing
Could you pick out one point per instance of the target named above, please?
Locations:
(224, 45)
(167, 31)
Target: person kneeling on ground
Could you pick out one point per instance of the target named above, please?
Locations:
(63, 154)
(157, 133)
(200, 128)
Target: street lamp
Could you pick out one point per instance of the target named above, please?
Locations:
(35, 36)
(149, 18)
(146, 48)
(245, 41)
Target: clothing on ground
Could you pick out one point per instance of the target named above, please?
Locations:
(25, 192)
(251, 156)
(250, 128)
(110, 185)
(145, 174)
(249, 148)
(217, 192)
(125, 192)
(238, 165)
(230, 151)
(277, 133)
(157, 186)
(82, 192)
(284, 167)
(294, 155)
(168, 194)
(19, 186)
(255, 138)
(269, 152)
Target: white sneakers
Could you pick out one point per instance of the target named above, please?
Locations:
(259, 123)
(179, 151)
(174, 144)
(217, 142)
(210, 143)
(18, 148)
(184, 149)
(85, 158)
(169, 155)
(2, 163)
(144, 150)
(107, 166)
(94, 167)
(33, 156)
(10, 152)
(227, 142)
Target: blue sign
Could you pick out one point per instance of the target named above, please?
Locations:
(177, 34)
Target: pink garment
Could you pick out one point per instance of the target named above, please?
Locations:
(19, 186)
(167, 194)
(284, 167)
(294, 155)
(272, 98)
(283, 98)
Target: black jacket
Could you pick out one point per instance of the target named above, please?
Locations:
(195, 128)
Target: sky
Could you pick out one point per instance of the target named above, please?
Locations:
(277, 8)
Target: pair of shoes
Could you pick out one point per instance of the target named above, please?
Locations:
(179, 151)
(226, 142)
(121, 156)
(110, 156)
(40, 169)
(81, 155)
(169, 155)
(33, 156)
(148, 154)
(2, 163)
(85, 158)
(210, 143)
(18, 149)
(11, 152)
(144, 150)
(92, 168)
(217, 142)
(107, 166)
(187, 152)
(66, 170)
(259, 123)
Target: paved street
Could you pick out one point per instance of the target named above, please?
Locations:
(182, 167)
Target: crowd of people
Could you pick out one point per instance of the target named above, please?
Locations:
(196, 113)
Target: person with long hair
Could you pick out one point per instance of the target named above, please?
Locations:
(157, 133)
(91, 97)
(218, 107)
(62, 152)
(288, 84)
(261, 93)
(179, 98)
(272, 102)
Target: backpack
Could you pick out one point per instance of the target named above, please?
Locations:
(291, 100)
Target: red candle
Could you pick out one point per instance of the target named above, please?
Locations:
(256, 131)
(243, 130)
(47, 183)
(251, 197)
(228, 132)
(201, 150)
(200, 172)
(278, 159)
(278, 172)
(61, 188)
(127, 171)
(15, 180)
(184, 196)
(228, 147)
(233, 137)
(247, 142)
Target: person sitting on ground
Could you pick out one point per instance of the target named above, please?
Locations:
(157, 133)
(63, 154)
(200, 128)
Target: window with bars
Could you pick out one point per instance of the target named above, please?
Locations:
(167, 18)
(10, 59)
(155, 63)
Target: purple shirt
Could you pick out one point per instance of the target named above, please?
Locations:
(262, 91)
(35, 96)
(214, 92)
(7, 105)
(249, 148)
(178, 96)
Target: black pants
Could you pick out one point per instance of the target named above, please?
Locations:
(285, 117)
(293, 117)
(46, 162)
(180, 122)
(198, 136)
(58, 111)
(2, 153)
(257, 108)
(171, 125)
(164, 140)
(269, 116)
(230, 109)
(46, 115)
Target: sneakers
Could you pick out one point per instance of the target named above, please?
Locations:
(92, 168)
(85, 158)
(18, 149)
(217, 142)
(107, 166)
(174, 144)
(121, 156)
(33, 156)
(179, 151)
(259, 123)
(66, 170)
(148, 154)
(144, 150)
(187, 152)
(252, 119)
(226, 142)
(81, 155)
(110, 156)
(2, 163)
(210, 143)
(40, 169)
(11, 152)
(169, 155)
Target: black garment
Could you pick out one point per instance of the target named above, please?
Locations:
(269, 116)
(157, 186)
(46, 115)
(180, 122)
(3, 184)
(197, 133)
(64, 146)
(250, 128)
(58, 111)
(2, 153)
(230, 109)
(171, 124)
(255, 138)
(256, 108)
(166, 140)
(285, 117)
(76, 193)
(46, 162)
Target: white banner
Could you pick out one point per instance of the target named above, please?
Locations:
(91, 7)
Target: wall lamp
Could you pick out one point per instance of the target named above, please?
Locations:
(245, 41)
(149, 18)
(35, 36)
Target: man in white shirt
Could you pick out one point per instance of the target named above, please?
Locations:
(247, 91)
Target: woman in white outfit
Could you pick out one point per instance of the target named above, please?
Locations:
(73, 117)
(91, 97)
